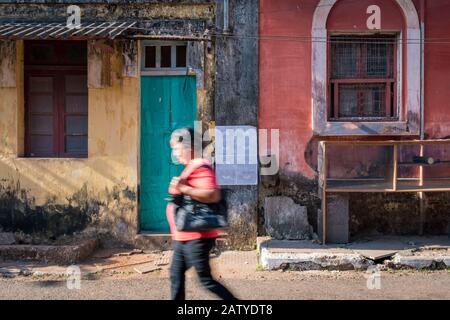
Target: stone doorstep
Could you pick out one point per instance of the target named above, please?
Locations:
(163, 242)
(153, 242)
(64, 255)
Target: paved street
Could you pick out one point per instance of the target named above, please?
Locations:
(239, 271)
(264, 286)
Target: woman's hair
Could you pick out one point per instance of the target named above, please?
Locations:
(185, 136)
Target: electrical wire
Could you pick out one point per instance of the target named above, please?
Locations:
(310, 39)
(298, 38)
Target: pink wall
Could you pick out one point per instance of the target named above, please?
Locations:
(285, 69)
(437, 69)
(285, 78)
(355, 18)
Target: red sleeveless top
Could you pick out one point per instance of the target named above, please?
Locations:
(197, 176)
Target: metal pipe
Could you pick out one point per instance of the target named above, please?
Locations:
(422, 111)
(422, 70)
(226, 15)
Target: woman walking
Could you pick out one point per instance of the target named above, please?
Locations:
(191, 249)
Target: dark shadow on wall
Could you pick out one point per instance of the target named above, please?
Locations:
(110, 211)
(371, 214)
(18, 212)
(398, 214)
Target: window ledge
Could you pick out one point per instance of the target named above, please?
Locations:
(391, 128)
(411, 108)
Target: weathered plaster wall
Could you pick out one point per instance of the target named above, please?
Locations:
(393, 214)
(285, 100)
(285, 103)
(36, 193)
(57, 196)
(236, 103)
(154, 18)
(110, 10)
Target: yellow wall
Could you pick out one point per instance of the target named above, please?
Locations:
(110, 171)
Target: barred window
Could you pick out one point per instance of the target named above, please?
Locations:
(363, 78)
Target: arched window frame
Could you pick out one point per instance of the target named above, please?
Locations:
(408, 125)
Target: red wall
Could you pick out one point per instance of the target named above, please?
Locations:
(355, 18)
(437, 69)
(285, 78)
(285, 69)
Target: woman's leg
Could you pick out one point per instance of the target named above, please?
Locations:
(177, 272)
(198, 255)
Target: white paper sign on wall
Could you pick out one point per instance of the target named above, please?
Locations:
(236, 155)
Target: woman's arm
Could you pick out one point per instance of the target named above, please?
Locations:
(201, 195)
(202, 188)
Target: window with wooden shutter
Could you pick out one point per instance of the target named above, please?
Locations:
(41, 115)
(56, 99)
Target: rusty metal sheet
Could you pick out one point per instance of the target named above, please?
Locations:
(87, 30)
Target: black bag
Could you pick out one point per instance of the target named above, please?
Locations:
(194, 216)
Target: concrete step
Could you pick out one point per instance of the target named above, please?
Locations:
(63, 255)
(391, 252)
(306, 255)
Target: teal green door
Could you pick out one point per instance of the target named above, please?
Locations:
(167, 103)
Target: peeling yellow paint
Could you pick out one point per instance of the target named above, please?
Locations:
(101, 145)
(8, 135)
(113, 139)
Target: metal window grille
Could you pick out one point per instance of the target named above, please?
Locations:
(362, 100)
(362, 84)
